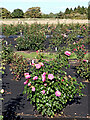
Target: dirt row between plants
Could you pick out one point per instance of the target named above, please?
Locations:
(45, 21)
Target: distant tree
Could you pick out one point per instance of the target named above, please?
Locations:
(67, 11)
(89, 12)
(33, 12)
(4, 13)
(17, 13)
(45, 16)
(71, 10)
(75, 9)
(60, 15)
(51, 15)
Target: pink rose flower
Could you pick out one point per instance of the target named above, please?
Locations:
(50, 76)
(74, 49)
(38, 66)
(25, 82)
(45, 84)
(85, 60)
(37, 51)
(58, 93)
(29, 84)
(27, 76)
(35, 78)
(62, 80)
(32, 63)
(43, 91)
(44, 73)
(42, 64)
(67, 53)
(43, 78)
(33, 89)
(82, 45)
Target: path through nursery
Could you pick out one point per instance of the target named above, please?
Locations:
(45, 71)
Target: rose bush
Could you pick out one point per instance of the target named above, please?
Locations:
(49, 88)
(18, 66)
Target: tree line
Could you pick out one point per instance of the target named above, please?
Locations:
(35, 12)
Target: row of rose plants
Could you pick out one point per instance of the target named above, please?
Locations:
(60, 34)
(48, 86)
(83, 69)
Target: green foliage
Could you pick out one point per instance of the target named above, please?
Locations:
(18, 66)
(89, 11)
(4, 13)
(31, 41)
(84, 70)
(44, 94)
(12, 29)
(33, 12)
(7, 52)
(17, 13)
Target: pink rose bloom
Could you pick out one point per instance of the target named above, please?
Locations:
(42, 64)
(32, 63)
(84, 28)
(43, 78)
(67, 53)
(50, 76)
(45, 84)
(33, 89)
(74, 49)
(58, 93)
(85, 60)
(38, 66)
(25, 82)
(82, 45)
(62, 80)
(43, 91)
(29, 84)
(27, 76)
(37, 51)
(35, 78)
(44, 73)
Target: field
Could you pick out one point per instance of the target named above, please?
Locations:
(45, 69)
(43, 21)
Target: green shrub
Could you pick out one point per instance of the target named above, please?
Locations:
(49, 88)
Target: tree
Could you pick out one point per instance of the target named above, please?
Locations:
(89, 12)
(4, 13)
(67, 11)
(17, 13)
(75, 9)
(33, 12)
(70, 11)
(60, 15)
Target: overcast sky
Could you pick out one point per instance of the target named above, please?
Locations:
(46, 6)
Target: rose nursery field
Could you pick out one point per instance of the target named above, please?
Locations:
(45, 71)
